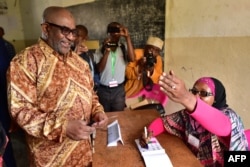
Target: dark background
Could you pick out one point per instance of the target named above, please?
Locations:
(142, 18)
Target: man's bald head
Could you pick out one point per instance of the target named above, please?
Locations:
(52, 13)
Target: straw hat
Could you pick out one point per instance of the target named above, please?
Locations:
(155, 41)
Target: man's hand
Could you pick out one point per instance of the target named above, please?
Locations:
(78, 130)
(124, 31)
(81, 48)
(101, 120)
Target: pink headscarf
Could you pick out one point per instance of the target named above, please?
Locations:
(209, 82)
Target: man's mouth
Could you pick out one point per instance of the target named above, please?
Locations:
(66, 44)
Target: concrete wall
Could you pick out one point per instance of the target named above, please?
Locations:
(211, 38)
(13, 24)
(23, 18)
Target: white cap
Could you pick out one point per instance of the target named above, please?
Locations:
(155, 41)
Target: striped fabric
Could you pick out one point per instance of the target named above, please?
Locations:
(211, 148)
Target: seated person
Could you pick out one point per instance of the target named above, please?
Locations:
(146, 69)
(207, 125)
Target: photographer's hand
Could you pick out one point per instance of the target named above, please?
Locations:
(150, 71)
(130, 49)
(124, 31)
(106, 49)
(141, 64)
(106, 41)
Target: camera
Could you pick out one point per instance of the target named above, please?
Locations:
(111, 44)
(150, 60)
(113, 29)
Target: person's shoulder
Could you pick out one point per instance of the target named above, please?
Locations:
(32, 50)
(84, 55)
(139, 52)
(229, 111)
(79, 59)
(180, 113)
(7, 42)
(159, 59)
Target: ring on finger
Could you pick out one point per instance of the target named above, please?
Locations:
(173, 86)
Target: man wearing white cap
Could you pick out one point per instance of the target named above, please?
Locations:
(146, 69)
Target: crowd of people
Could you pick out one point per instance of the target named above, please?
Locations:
(59, 93)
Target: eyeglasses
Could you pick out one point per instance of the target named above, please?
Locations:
(65, 30)
(201, 93)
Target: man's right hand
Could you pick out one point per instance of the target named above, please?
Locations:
(78, 130)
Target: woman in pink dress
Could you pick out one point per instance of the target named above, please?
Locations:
(207, 125)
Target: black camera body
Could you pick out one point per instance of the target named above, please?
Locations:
(150, 60)
(113, 30)
(111, 44)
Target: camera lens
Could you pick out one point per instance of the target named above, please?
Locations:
(113, 29)
(150, 60)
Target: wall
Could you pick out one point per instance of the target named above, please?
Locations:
(142, 18)
(22, 19)
(32, 11)
(12, 24)
(211, 39)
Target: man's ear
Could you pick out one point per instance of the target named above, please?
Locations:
(45, 27)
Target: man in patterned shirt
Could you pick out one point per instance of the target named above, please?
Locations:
(51, 96)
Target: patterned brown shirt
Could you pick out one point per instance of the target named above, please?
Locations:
(45, 90)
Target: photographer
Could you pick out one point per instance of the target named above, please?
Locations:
(146, 69)
(111, 63)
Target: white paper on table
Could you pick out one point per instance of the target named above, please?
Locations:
(154, 155)
(114, 134)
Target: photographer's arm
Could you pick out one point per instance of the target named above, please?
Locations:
(105, 52)
(131, 54)
(101, 65)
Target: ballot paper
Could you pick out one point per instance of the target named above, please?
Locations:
(114, 134)
(154, 155)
